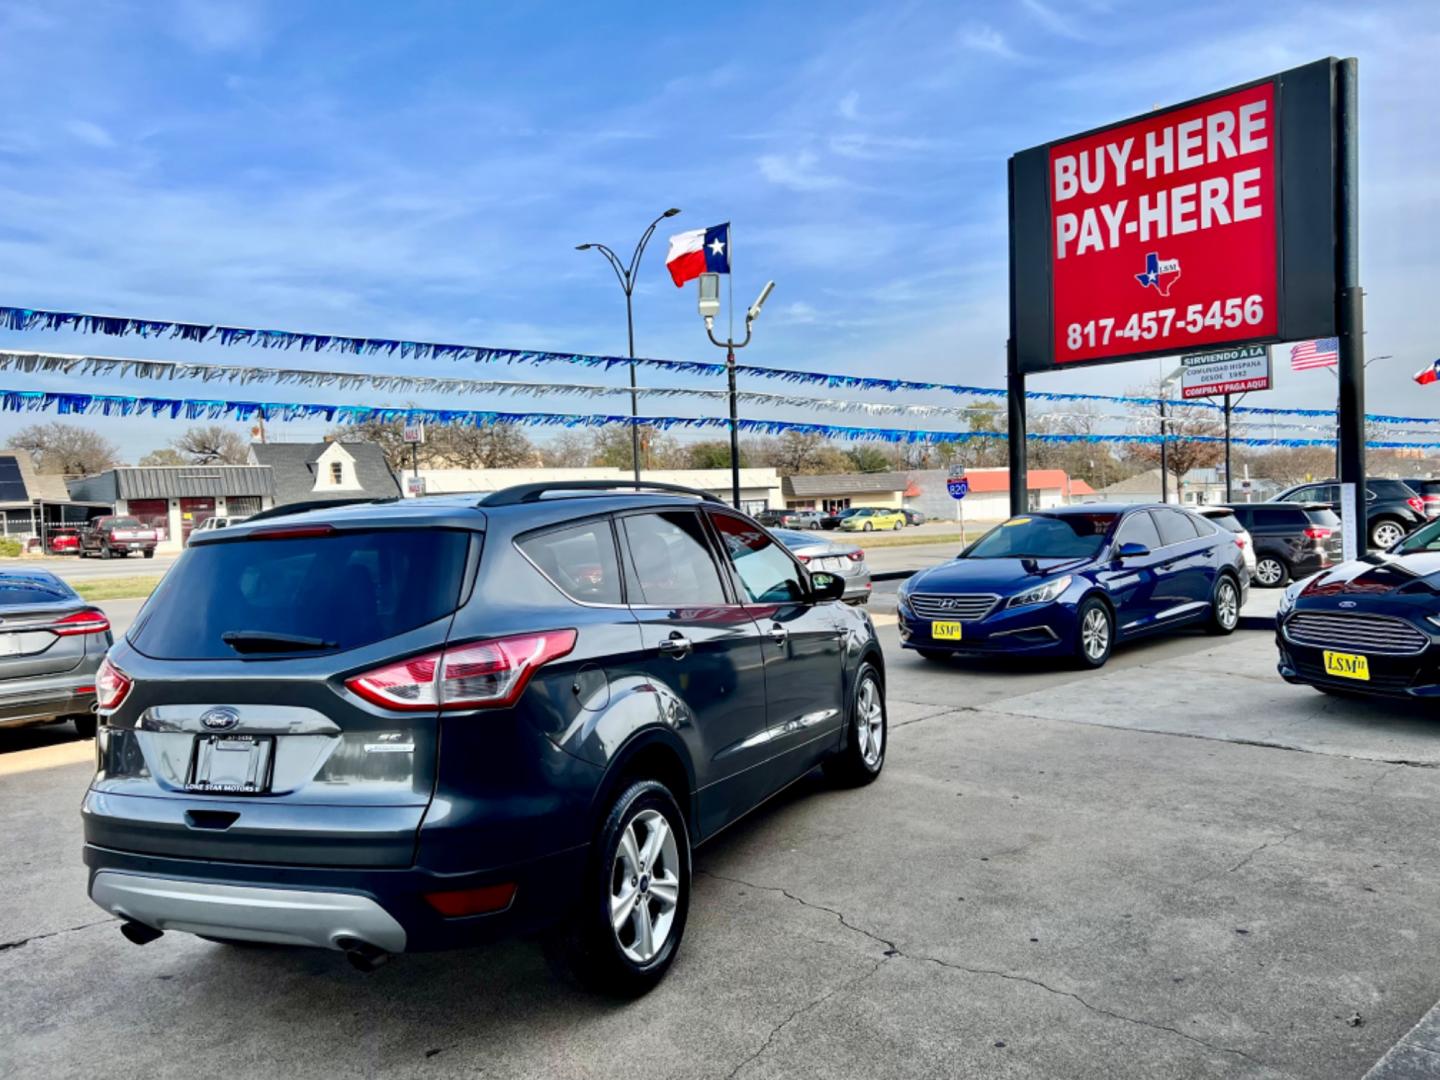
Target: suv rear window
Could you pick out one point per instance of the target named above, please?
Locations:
(1321, 516)
(350, 588)
(1273, 516)
(1391, 489)
(1228, 522)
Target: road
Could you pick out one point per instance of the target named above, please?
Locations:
(1175, 867)
(76, 569)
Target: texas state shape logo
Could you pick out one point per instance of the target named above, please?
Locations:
(1160, 274)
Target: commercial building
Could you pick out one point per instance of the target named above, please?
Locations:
(839, 491)
(173, 499)
(326, 471)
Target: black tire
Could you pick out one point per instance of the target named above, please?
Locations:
(1224, 609)
(1092, 650)
(85, 724)
(859, 762)
(869, 527)
(899, 524)
(1386, 532)
(149, 553)
(935, 656)
(105, 551)
(1271, 572)
(590, 945)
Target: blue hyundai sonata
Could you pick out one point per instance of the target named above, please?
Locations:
(1073, 581)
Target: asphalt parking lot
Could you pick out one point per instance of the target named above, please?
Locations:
(1176, 867)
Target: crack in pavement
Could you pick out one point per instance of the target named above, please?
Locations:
(7, 945)
(948, 710)
(892, 950)
(778, 1028)
(1295, 830)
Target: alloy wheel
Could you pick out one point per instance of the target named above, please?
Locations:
(1268, 572)
(1386, 534)
(644, 886)
(1227, 605)
(1095, 633)
(870, 723)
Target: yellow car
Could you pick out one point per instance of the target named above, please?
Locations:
(870, 518)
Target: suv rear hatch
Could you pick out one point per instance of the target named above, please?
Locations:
(238, 729)
(1324, 532)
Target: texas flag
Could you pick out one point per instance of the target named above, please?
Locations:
(1429, 374)
(699, 251)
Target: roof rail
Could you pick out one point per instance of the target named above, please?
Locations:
(529, 493)
(312, 504)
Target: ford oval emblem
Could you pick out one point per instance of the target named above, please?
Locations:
(1347, 603)
(219, 719)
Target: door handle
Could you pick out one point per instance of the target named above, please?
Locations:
(778, 634)
(677, 645)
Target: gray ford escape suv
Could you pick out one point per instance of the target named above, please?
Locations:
(399, 726)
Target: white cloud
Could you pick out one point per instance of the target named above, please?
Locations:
(797, 171)
(986, 39)
(219, 25)
(88, 132)
(1054, 21)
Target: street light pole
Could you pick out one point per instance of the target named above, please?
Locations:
(626, 276)
(730, 345)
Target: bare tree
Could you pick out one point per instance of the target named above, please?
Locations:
(210, 444)
(567, 450)
(464, 446)
(1185, 425)
(69, 449)
(166, 455)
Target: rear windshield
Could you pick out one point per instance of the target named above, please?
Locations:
(29, 590)
(1391, 489)
(1229, 522)
(125, 523)
(1323, 517)
(1041, 536)
(351, 589)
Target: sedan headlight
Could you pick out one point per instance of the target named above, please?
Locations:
(1041, 594)
(1288, 598)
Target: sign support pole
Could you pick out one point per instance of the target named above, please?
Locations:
(1229, 482)
(1015, 432)
(1349, 299)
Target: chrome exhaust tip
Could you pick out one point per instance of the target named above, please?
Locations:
(139, 933)
(362, 955)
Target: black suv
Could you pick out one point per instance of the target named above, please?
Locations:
(1392, 507)
(1291, 541)
(412, 725)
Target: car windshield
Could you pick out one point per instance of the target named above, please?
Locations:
(1425, 538)
(1045, 536)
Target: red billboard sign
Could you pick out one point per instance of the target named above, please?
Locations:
(1164, 230)
(1210, 223)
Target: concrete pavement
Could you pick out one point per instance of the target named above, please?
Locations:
(1176, 867)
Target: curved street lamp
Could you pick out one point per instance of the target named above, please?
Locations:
(626, 275)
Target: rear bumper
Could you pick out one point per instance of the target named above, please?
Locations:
(43, 703)
(326, 908)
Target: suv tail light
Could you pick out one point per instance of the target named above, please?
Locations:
(112, 686)
(855, 556)
(479, 675)
(1240, 542)
(88, 621)
(803, 558)
(1416, 503)
(1318, 532)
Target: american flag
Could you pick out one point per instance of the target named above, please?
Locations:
(1312, 354)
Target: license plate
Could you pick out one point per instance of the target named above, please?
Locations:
(945, 631)
(232, 764)
(1347, 665)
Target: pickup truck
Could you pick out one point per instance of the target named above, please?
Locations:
(109, 536)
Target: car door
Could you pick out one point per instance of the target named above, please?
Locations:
(1185, 575)
(802, 641)
(705, 648)
(1130, 582)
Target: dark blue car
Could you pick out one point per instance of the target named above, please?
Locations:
(1073, 581)
(414, 725)
(1371, 626)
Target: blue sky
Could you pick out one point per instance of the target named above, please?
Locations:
(424, 170)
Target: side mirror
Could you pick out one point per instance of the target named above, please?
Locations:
(825, 586)
(1132, 551)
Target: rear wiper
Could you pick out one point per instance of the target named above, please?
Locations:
(264, 641)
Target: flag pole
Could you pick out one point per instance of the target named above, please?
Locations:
(730, 371)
